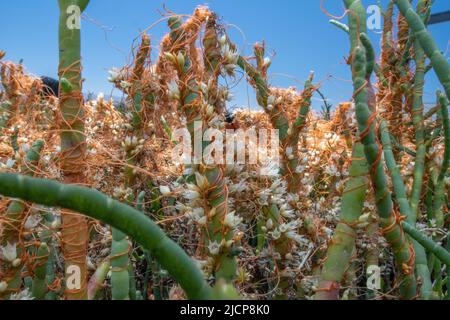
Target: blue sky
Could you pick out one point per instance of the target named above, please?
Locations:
(297, 32)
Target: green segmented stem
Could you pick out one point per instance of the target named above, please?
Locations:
(225, 263)
(121, 216)
(289, 138)
(120, 246)
(73, 142)
(428, 44)
(405, 209)
(46, 235)
(282, 246)
(136, 89)
(289, 134)
(418, 119)
(120, 282)
(388, 220)
(51, 276)
(439, 191)
(39, 286)
(279, 119)
(133, 293)
(441, 253)
(211, 46)
(96, 282)
(293, 178)
(16, 213)
(71, 103)
(343, 242)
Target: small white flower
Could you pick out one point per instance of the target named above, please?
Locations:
(289, 151)
(9, 252)
(286, 212)
(202, 181)
(276, 234)
(174, 90)
(300, 169)
(214, 248)
(283, 228)
(10, 163)
(223, 40)
(23, 295)
(3, 286)
(231, 220)
(202, 221)
(125, 84)
(191, 195)
(230, 55)
(165, 190)
(32, 221)
(114, 74)
(269, 224)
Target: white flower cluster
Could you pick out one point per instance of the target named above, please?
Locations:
(230, 56)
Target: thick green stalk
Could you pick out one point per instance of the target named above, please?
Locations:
(439, 191)
(15, 214)
(39, 286)
(342, 244)
(418, 120)
(428, 44)
(405, 209)
(130, 221)
(390, 223)
(73, 144)
(120, 282)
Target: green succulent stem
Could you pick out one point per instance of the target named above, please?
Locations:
(441, 253)
(121, 216)
(439, 191)
(15, 214)
(73, 141)
(389, 222)
(405, 209)
(39, 286)
(428, 44)
(342, 244)
(120, 282)
(418, 119)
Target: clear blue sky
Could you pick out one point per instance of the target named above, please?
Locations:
(297, 31)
